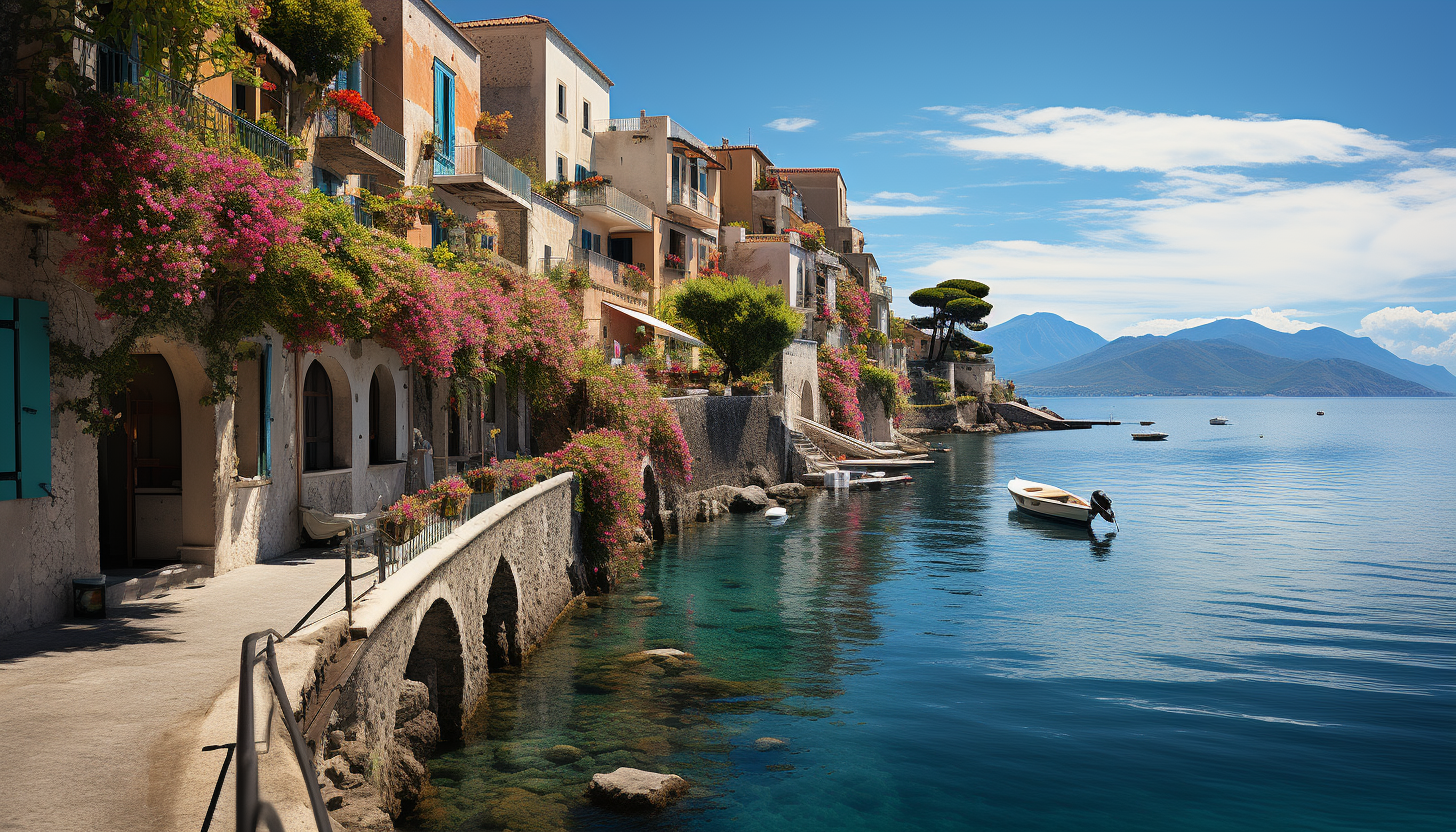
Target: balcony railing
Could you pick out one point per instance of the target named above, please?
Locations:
(608, 197)
(117, 72)
(381, 139)
(692, 198)
(477, 159)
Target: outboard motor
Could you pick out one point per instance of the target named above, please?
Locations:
(1102, 504)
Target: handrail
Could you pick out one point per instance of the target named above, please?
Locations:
(693, 199)
(609, 197)
(381, 138)
(250, 806)
(479, 160)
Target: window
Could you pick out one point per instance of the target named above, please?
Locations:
(252, 414)
(561, 99)
(326, 181)
(847, 246)
(581, 172)
(444, 119)
(25, 399)
(240, 98)
(586, 239)
(318, 419)
(702, 178)
(677, 245)
(560, 168)
(586, 116)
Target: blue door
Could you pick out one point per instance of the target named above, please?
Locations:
(444, 119)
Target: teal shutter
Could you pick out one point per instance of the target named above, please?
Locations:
(265, 437)
(9, 409)
(33, 385)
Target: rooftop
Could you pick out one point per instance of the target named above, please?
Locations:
(807, 170)
(533, 20)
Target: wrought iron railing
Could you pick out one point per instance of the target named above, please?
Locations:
(477, 159)
(393, 554)
(609, 197)
(380, 139)
(444, 163)
(693, 199)
(117, 72)
(599, 267)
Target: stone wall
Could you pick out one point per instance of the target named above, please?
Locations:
(796, 376)
(735, 440)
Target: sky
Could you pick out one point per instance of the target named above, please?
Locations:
(1133, 166)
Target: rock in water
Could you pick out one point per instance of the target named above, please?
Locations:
(770, 744)
(414, 697)
(788, 491)
(562, 754)
(633, 788)
(748, 500)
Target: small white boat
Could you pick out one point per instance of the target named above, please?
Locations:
(1052, 503)
(776, 511)
(1218, 420)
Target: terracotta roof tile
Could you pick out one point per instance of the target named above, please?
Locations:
(528, 20)
(807, 170)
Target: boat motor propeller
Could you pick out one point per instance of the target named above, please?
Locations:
(1102, 504)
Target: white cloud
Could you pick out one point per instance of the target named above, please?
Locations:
(791, 125)
(1424, 336)
(900, 196)
(1279, 321)
(1208, 241)
(1122, 140)
(869, 210)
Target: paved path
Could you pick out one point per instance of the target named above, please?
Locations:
(84, 706)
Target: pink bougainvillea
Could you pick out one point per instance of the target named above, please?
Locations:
(839, 387)
(853, 303)
(611, 497)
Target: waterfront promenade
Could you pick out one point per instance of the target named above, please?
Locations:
(99, 718)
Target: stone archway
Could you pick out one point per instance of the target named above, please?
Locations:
(806, 400)
(502, 619)
(437, 661)
(651, 505)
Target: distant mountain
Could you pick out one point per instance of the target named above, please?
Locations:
(1167, 366)
(1031, 342)
(1320, 342)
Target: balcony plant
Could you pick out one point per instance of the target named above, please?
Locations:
(450, 494)
(406, 518)
(672, 261)
(811, 235)
(481, 480)
(492, 126)
(593, 181)
(635, 279)
(361, 115)
(428, 142)
(752, 384)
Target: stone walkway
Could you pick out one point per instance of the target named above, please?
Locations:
(93, 714)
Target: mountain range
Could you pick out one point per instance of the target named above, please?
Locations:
(1166, 365)
(1031, 342)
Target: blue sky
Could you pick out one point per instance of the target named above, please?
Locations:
(1127, 165)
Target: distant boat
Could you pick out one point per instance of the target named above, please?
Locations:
(1319, 413)
(1150, 437)
(1145, 424)
(776, 511)
(1052, 503)
(1218, 420)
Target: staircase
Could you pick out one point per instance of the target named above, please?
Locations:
(814, 458)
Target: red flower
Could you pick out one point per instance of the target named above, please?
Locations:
(354, 104)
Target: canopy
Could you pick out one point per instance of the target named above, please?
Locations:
(661, 326)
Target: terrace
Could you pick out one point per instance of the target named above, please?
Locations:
(344, 148)
(622, 212)
(479, 176)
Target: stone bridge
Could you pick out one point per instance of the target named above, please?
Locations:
(475, 602)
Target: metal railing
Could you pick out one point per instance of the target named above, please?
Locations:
(380, 139)
(599, 267)
(117, 72)
(251, 808)
(692, 198)
(479, 160)
(444, 164)
(393, 554)
(614, 125)
(609, 197)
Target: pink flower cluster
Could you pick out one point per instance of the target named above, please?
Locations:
(839, 386)
(611, 497)
(854, 307)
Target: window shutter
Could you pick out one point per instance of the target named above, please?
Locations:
(9, 406)
(25, 398)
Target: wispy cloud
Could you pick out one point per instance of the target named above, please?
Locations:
(1122, 140)
(872, 210)
(900, 196)
(791, 125)
(1279, 321)
(1421, 335)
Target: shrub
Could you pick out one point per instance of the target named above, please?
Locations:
(610, 499)
(481, 480)
(853, 303)
(838, 386)
(745, 324)
(522, 472)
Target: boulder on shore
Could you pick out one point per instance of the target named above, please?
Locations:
(635, 789)
(749, 500)
(788, 491)
(414, 698)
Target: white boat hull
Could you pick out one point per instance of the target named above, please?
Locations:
(1067, 508)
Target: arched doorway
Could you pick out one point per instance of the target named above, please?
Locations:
(437, 660)
(651, 505)
(139, 471)
(806, 400)
(502, 624)
(318, 419)
(383, 437)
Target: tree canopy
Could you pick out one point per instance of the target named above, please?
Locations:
(956, 307)
(744, 323)
(321, 36)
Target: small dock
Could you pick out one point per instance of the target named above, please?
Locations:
(1019, 414)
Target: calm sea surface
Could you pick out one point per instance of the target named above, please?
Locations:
(1268, 643)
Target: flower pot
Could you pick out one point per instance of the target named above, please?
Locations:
(427, 151)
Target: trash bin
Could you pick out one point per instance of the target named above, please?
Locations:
(89, 597)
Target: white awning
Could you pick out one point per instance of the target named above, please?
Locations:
(661, 326)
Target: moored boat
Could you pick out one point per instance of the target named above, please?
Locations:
(1052, 503)
(1150, 437)
(1218, 420)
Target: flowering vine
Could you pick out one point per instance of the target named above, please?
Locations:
(839, 370)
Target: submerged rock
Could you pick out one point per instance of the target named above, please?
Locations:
(659, 653)
(644, 599)
(633, 788)
(770, 744)
(562, 754)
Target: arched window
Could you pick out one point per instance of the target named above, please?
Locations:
(318, 419)
(382, 431)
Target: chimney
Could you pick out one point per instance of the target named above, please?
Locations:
(725, 141)
(642, 114)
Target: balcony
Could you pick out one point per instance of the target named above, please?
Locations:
(346, 150)
(606, 275)
(479, 176)
(701, 212)
(117, 73)
(622, 212)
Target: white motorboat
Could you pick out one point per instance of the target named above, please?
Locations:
(1149, 437)
(1218, 420)
(1052, 503)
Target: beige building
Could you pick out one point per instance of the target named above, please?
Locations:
(754, 197)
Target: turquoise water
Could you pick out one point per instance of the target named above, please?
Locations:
(1265, 644)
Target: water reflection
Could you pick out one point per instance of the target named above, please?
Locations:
(1100, 542)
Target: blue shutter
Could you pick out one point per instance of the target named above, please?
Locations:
(33, 380)
(353, 76)
(9, 412)
(265, 434)
(586, 239)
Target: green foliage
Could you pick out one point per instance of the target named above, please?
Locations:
(968, 310)
(955, 305)
(885, 383)
(974, 288)
(745, 324)
(935, 297)
(321, 36)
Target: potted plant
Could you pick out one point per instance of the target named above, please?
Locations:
(635, 279)
(361, 115)
(481, 480)
(672, 261)
(427, 144)
(405, 518)
(450, 495)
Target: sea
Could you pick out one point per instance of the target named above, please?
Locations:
(1265, 640)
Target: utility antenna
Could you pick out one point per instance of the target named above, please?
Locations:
(750, 135)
